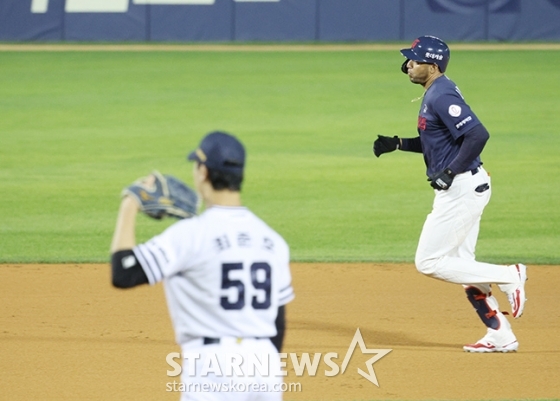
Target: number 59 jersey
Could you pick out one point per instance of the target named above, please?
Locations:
(225, 273)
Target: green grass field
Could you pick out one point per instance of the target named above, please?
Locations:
(76, 127)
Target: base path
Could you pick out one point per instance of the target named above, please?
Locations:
(66, 334)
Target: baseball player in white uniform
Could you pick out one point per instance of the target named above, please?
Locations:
(451, 138)
(226, 276)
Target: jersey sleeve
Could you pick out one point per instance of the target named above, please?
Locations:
(455, 114)
(285, 290)
(161, 256)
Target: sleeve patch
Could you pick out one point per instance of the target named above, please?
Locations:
(454, 110)
(128, 261)
(463, 122)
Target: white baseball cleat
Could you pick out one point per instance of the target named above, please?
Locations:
(502, 340)
(486, 346)
(517, 297)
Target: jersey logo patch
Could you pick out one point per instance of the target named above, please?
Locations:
(454, 110)
(128, 261)
(422, 123)
(243, 240)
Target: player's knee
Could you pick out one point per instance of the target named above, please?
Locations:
(425, 266)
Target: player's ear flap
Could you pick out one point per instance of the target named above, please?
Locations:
(404, 67)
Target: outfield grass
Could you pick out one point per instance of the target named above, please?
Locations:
(76, 127)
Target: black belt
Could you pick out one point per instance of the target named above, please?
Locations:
(475, 170)
(210, 340)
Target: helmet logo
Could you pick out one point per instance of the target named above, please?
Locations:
(416, 41)
(434, 56)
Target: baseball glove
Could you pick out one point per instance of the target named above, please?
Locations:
(160, 195)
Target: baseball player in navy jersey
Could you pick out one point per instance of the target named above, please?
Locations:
(225, 272)
(451, 139)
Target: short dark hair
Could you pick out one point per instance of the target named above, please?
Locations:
(222, 180)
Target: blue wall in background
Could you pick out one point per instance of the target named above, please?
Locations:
(278, 20)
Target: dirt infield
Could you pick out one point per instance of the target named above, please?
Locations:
(66, 334)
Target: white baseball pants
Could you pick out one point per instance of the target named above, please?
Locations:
(446, 249)
(226, 372)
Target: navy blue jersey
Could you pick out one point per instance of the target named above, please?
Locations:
(444, 118)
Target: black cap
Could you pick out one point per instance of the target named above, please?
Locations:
(220, 151)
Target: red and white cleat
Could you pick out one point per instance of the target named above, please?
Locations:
(517, 297)
(501, 340)
(486, 346)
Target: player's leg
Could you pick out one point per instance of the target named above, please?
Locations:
(211, 373)
(499, 335)
(446, 247)
(453, 220)
(269, 383)
(467, 249)
(234, 370)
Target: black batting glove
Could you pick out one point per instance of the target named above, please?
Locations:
(442, 181)
(385, 144)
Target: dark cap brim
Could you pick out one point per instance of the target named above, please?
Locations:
(192, 156)
(197, 155)
(409, 54)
